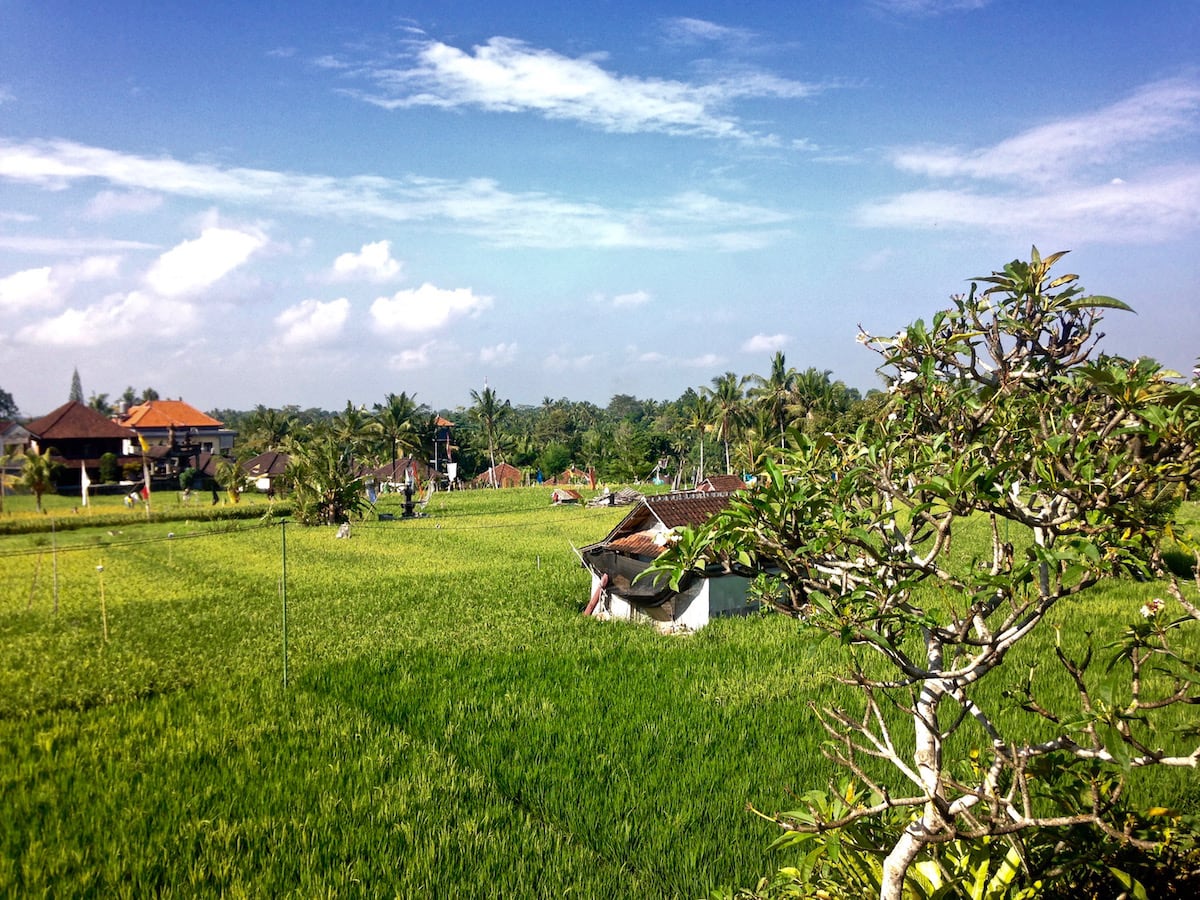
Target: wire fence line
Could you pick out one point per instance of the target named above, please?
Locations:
(227, 527)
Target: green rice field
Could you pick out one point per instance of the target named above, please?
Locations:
(450, 725)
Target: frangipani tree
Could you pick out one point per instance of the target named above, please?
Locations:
(1001, 410)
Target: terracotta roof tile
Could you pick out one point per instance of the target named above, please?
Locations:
(74, 420)
(167, 414)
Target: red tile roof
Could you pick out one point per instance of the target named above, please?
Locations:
(74, 420)
(167, 414)
(635, 534)
(722, 483)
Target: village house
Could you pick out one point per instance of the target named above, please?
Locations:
(640, 538)
(79, 436)
(501, 475)
(174, 423)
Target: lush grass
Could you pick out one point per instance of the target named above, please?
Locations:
(452, 726)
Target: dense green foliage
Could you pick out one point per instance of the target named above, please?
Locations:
(1002, 411)
(727, 427)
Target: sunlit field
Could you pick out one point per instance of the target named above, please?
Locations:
(450, 725)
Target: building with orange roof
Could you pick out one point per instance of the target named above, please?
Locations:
(174, 423)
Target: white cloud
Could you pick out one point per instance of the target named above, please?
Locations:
(1165, 109)
(415, 358)
(500, 354)
(195, 264)
(507, 75)
(705, 361)
(312, 322)
(425, 308)
(115, 318)
(91, 268)
(47, 287)
(766, 343)
(109, 204)
(633, 298)
(475, 206)
(373, 263)
(28, 289)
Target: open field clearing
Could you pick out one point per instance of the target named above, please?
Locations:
(451, 725)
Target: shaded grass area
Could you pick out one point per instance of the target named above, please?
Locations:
(452, 727)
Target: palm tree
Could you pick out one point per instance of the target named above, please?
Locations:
(267, 429)
(397, 418)
(729, 398)
(39, 473)
(700, 417)
(489, 412)
(355, 428)
(773, 393)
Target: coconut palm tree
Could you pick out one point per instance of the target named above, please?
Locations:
(773, 393)
(267, 429)
(728, 395)
(355, 428)
(489, 412)
(39, 473)
(398, 417)
(700, 415)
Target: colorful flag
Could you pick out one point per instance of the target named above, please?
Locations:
(144, 443)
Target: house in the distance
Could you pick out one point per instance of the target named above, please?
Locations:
(266, 470)
(639, 539)
(79, 436)
(175, 424)
(500, 475)
(721, 483)
(14, 438)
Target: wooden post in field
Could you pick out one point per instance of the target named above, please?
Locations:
(283, 595)
(54, 560)
(103, 608)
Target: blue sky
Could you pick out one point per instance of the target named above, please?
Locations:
(241, 203)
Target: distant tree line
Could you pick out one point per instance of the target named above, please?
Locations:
(727, 426)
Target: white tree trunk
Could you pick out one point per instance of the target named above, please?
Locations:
(928, 759)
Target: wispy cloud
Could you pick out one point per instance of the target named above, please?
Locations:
(508, 75)
(1100, 176)
(925, 8)
(1165, 109)
(476, 206)
(499, 354)
(633, 298)
(1162, 206)
(59, 246)
(110, 204)
(689, 32)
